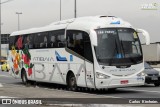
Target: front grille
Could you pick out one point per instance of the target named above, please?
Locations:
(122, 75)
(152, 74)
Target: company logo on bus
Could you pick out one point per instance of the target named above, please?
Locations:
(116, 22)
(49, 59)
(71, 58)
(63, 58)
(60, 58)
(117, 70)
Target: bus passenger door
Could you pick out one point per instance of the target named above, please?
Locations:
(89, 74)
(89, 65)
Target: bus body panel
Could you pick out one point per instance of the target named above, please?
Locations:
(53, 64)
(90, 75)
(48, 69)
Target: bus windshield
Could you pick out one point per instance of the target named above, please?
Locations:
(118, 46)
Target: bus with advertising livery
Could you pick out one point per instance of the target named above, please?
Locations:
(100, 52)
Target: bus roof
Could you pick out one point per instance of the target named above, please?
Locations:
(81, 23)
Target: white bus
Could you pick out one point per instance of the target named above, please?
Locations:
(98, 52)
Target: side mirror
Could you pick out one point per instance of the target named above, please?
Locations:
(145, 34)
(93, 36)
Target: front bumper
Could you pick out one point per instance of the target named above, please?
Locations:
(116, 83)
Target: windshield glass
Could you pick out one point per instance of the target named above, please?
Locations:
(118, 46)
(147, 66)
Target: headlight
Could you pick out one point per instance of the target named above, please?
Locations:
(102, 76)
(145, 74)
(142, 74)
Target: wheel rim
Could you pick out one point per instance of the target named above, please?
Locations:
(72, 82)
(72, 85)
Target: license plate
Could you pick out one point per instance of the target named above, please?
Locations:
(124, 82)
(154, 78)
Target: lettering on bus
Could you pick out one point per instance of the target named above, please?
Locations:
(40, 70)
(40, 74)
(117, 70)
(49, 59)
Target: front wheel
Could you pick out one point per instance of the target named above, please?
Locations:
(72, 84)
(7, 69)
(2, 69)
(24, 77)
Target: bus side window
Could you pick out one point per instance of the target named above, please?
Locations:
(41, 40)
(88, 49)
(28, 41)
(60, 38)
(51, 44)
(44, 41)
(61, 42)
(79, 42)
(75, 41)
(37, 40)
(70, 40)
(56, 39)
(56, 42)
(43, 44)
(15, 42)
(31, 43)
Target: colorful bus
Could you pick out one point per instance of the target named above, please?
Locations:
(100, 52)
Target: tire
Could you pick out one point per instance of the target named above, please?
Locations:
(71, 82)
(24, 77)
(112, 89)
(7, 70)
(156, 84)
(2, 69)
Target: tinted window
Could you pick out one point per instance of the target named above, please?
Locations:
(51, 39)
(87, 47)
(147, 66)
(118, 47)
(31, 42)
(56, 39)
(11, 42)
(79, 42)
(14, 42)
(28, 41)
(40, 40)
(75, 41)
